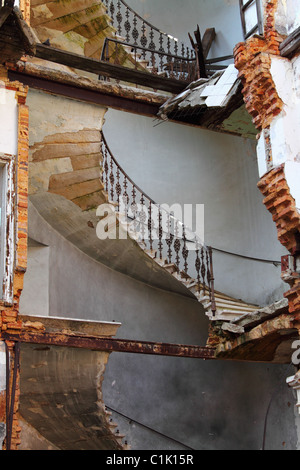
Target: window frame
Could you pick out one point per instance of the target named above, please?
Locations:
(7, 238)
(258, 27)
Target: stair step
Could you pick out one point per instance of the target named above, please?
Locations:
(144, 63)
(120, 38)
(162, 262)
(113, 425)
(232, 307)
(177, 276)
(151, 253)
(193, 284)
(171, 268)
(128, 49)
(119, 436)
(230, 301)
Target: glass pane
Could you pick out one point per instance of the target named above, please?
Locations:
(2, 226)
(251, 19)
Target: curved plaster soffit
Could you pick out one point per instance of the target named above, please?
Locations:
(61, 398)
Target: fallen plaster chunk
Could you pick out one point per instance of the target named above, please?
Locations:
(232, 328)
(262, 313)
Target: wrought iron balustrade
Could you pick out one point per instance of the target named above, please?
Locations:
(139, 32)
(165, 237)
(155, 62)
(157, 50)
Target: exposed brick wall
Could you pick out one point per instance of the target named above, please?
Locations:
(281, 204)
(25, 9)
(253, 60)
(9, 313)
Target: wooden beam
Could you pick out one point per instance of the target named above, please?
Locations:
(207, 40)
(111, 344)
(109, 70)
(86, 95)
(4, 14)
(291, 44)
(200, 54)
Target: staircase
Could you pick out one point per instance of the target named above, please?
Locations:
(168, 248)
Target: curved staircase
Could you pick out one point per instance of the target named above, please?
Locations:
(198, 279)
(171, 265)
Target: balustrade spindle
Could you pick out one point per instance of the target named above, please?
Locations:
(169, 242)
(203, 270)
(161, 40)
(142, 217)
(118, 188)
(105, 168)
(112, 179)
(125, 196)
(127, 24)
(112, 11)
(144, 39)
(135, 33)
(119, 18)
(185, 252)
(198, 266)
(160, 233)
(134, 208)
(152, 43)
(150, 226)
(177, 245)
(177, 250)
(208, 273)
(169, 45)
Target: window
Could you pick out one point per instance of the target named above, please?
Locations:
(251, 16)
(3, 223)
(7, 229)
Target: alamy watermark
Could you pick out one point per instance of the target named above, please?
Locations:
(296, 354)
(155, 222)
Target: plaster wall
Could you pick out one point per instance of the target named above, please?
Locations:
(284, 138)
(36, 282)
(174, 163)
(200, 404)
(287, 17)
(9, 121)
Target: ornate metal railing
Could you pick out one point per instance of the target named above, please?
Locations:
(149, 47)
(158, 230)
(139, 32)
(155, 62)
